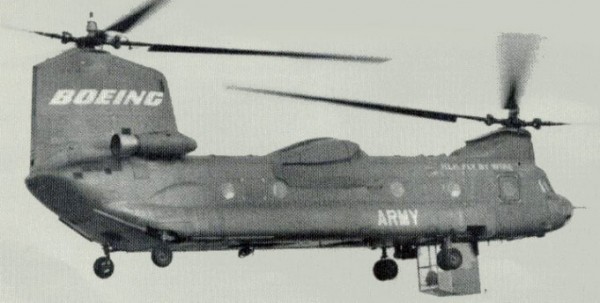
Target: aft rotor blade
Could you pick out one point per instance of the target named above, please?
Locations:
(249, 52)
(130, 20)
(440, 116)
(516, 54)
(50, 35)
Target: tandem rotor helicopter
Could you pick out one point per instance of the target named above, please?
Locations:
(107, 158)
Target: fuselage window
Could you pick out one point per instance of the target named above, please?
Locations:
(397, 189)
(228, 191)
(455, 190)
(452, 188)
(509, 188)
(280, 190)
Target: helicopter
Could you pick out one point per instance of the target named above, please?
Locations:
(108, 159)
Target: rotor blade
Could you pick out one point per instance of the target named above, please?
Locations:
(365, 105)
(49, 35)
(248, 52)
(510, 100)
(516, 53)
(130, 20)
(550, 123)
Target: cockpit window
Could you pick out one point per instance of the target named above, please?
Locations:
(545, 186)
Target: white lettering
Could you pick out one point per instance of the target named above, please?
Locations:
(134, 97)
(391, 217)
(403, 217)
(476, 166)
(105, 96)
(397, 217)
(153, 99)
(413, 214)
(62, 97)
(502, 166)
(382, 219)
(119, 97)
(85, 96)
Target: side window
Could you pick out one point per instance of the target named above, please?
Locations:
(509, 188)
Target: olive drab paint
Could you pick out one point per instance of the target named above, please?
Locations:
(83, 95)
(107, 158)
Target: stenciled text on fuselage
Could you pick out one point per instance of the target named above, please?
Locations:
(397, 217)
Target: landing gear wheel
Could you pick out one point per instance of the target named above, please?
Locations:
(431, 279)
(162, 256)
(104, 267)
(449, 259)
(245, 251)
(385, 269)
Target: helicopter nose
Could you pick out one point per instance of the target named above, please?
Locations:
(561, 211)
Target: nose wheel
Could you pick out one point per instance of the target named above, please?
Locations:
(385, 269)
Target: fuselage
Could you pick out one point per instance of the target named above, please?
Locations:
(230, 201)
(107, 157)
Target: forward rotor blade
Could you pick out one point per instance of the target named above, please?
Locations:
(440, 116)
(550, 123)
(248, 52)
(516, 53)
(510, 100)
(137, 15)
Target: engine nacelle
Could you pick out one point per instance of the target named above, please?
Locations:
(152, 145)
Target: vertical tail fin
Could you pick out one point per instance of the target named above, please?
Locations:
(81, 98)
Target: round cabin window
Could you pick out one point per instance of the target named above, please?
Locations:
(454, 189)
(397, 189)
(280, 190)
(228, 191)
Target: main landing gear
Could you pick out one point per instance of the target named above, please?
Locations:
(162, 256)
(449, 258)
(104, 266)
(385, 269)
(245, 251)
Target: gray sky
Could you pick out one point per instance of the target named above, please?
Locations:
(444, 58)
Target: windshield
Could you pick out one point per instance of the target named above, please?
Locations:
(545, 185)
